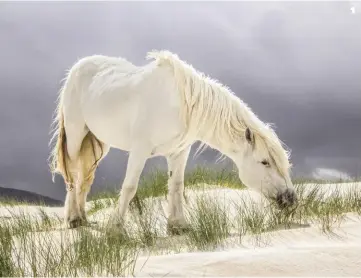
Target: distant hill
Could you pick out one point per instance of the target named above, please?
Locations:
(28, 197)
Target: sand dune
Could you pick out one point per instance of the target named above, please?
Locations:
(296, 252)
(300, 253)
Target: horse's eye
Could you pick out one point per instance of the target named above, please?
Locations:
(265, 163)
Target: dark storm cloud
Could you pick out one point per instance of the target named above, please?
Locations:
(297, 64)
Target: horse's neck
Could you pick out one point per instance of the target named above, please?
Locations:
(224, 147)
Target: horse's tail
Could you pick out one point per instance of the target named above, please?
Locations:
(59, 158)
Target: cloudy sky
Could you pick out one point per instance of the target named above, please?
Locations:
(297, 64)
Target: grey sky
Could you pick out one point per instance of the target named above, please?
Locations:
(297, 64)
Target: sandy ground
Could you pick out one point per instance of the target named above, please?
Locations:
(298, 252)
(302, 253)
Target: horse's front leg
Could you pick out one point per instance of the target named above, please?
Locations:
(136, 162)
(176, 167)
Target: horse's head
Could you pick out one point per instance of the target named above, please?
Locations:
(263, 165)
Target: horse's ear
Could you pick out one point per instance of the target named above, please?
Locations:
(249, 136)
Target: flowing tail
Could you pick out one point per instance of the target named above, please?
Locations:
(59, 157)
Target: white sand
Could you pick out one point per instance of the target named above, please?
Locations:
(296, 252)
(303, 252)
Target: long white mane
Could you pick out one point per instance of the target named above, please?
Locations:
(211, 110)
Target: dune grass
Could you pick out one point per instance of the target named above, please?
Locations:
(38, 246)
(28, 248)
(209, 224)
(6, 201)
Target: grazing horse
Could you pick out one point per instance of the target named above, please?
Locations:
(159, 109)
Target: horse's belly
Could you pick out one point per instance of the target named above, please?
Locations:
(122, 127)
(113, 131)
(117, 132)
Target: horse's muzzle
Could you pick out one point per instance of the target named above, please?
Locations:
(287, 198)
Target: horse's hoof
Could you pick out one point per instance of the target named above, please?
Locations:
(76, 223)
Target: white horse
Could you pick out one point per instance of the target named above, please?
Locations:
(159, 109)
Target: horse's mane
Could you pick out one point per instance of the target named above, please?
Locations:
(212, 110)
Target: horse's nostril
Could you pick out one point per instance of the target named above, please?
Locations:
(280, 200)
(286, 198)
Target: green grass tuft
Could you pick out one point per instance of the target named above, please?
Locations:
(209, 224)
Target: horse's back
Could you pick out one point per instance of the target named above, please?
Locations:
(101, 62)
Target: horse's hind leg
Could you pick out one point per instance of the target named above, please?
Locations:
(74, 138)
(91, 153)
